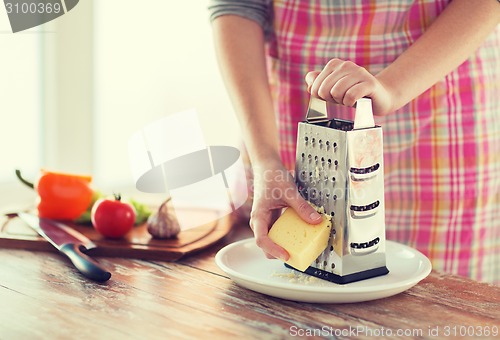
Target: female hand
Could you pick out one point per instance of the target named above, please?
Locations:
(344, 82)
(274, 189)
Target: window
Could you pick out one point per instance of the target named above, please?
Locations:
(20, 108)
(153, 59)
(76, 88)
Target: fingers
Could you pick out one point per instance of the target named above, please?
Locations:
(341, 82)
(304, 209)
(332, 68)
(260, 222)
(267, 208)
(310, 77)
(355, 92)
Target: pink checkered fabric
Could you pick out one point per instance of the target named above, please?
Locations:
(442, 150)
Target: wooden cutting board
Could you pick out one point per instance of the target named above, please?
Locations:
(16, 234)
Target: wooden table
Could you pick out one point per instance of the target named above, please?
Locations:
(42, 296)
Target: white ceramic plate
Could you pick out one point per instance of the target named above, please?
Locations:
(246, 265)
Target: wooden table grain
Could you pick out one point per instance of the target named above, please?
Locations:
(43, 297)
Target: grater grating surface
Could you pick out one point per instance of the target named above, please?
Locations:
(340, 169)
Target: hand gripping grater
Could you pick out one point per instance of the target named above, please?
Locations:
(340, 167)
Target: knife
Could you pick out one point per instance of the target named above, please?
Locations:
(69, 242)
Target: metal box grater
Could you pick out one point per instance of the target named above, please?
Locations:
(340, 168)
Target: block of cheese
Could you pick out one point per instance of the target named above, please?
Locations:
(303, 241)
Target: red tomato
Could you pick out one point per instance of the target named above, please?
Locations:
(112, 218)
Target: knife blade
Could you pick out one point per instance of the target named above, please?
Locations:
(69, 242)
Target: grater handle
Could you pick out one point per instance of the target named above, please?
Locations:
(316, 112)
(364, 114)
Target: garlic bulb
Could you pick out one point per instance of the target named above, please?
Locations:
(163, 223)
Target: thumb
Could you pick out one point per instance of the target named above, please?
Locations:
(310, 77)
(304, 210)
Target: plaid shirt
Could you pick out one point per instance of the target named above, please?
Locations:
(441, 151)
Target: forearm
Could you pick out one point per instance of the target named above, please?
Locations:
(239, 45)
(449, 41)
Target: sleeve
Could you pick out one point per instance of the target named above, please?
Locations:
(259, 11)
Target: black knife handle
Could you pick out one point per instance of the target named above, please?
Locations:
(85, 264)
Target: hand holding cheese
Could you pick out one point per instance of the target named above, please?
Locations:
(303, 241)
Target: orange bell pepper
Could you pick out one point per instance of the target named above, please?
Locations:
(61, 196)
